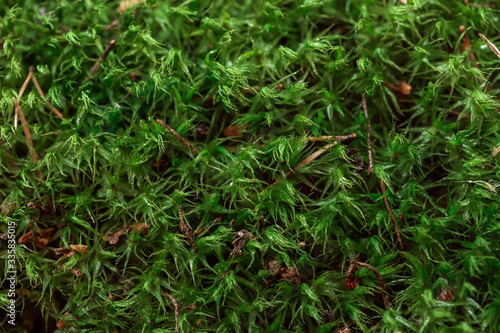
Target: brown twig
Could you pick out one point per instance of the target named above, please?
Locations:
(27, 134)
(178, 137)
(20, 94)
(186, 230)
(319, 152)
(389, 210)
(385, 296)
(490, 45)
(26, 82)
(456, 113)
(369, 135)
(40, 91)
(97, 64)
(176, 307)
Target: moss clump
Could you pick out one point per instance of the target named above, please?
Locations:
(266, 241)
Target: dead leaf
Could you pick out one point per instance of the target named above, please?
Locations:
(79, 248)
(289, 273)
(404, 87)
(446, 294)
(114, 237)
(77, 272)
(68, 252)
(125, 4)
(41, 240)
(142, 228)
(496, 150)
(239, 242)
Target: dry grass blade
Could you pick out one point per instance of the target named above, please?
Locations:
(389, 210)
(178, 137)
(490, 45)
(368, 136)
(186, 230)
(320, 151)
(176, 307)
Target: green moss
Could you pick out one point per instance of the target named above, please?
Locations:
(282, 71)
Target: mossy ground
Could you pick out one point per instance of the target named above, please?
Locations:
(246, 83)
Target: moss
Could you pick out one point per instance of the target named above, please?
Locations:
(266, 241)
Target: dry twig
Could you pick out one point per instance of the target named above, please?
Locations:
(319, 152)
(27, 134)
(20, 94)
(176, 307)
(369, 135)
(456, 113)
(97, 64)
(40, 91)
(178, 137)
(490, 45)
(385, 296)
(186, 230)
(389, 210)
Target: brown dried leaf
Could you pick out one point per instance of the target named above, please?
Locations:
(41, 240)
(404, 87)
(63, 251)
(125, 4)
(79, 248)
(496, 150)
(446, 294)
(234, 130)
(114, 237)
(77, 272)
(142, 228)
(239, 242)
(289, 273)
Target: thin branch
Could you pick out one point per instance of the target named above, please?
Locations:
(341, 138)
(456, 113)
(176, 307)
(97, 64)
(350, 271)
(490, 45)
(319, 152)
(40, 91)
(27, 134)
(385, 296)
(369, 135)
(25, 84)
(20, 94)
(186, 230)
(178, 137)
(389, 210)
